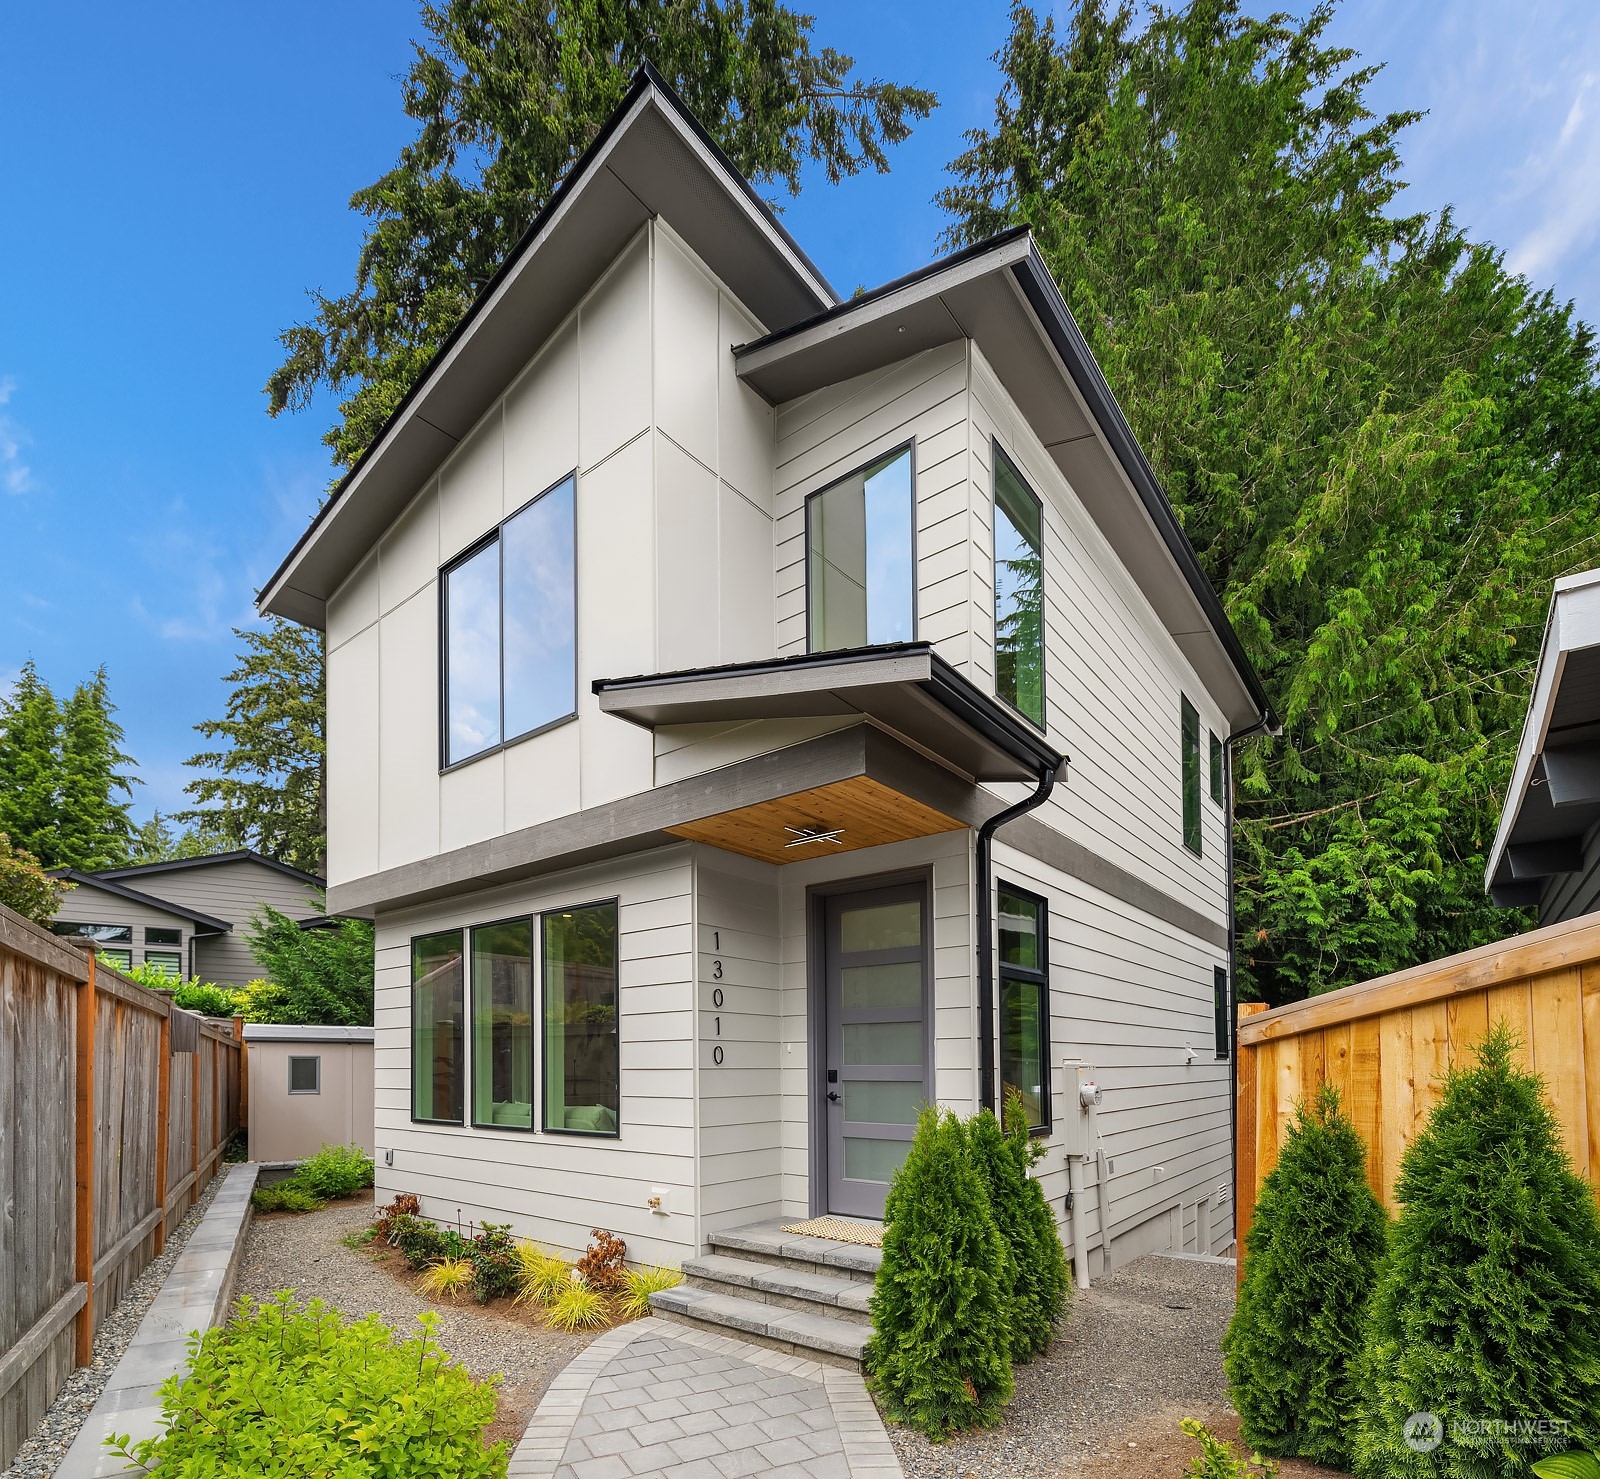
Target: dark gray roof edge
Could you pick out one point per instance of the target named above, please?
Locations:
(645, 79)
(150, 901)
(239, 855)
(956, 693)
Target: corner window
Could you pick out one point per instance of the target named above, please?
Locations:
(579, 949)
(509, 618)
(1216, 770)
(305, 1075)
(1018, 591)
(1190, 730)
(1220, 1012)
(437, 1046)
(859, 558)
(502, 1025)
(154, 936)
(1025, 1002)
(170, 961)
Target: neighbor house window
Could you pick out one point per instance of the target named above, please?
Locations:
(170, 961)
(859, 558)
(305, 1075)
(1018, 592)
(103, 934)
(1190, 730)
(509, 611)
(1219, 1010)
(502, 1025)
(580, 1019)
(1025, 1002)
(121, 960)
(156, 936)
(1216, 770)
(437, 1041)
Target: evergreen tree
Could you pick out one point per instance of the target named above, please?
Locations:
(93, 828)
(1039, 1284)
(26, 888)
(939, 1355)
(321, 977)
(30, 748)
(1315, 1246)
(506, 95)
(1488, 1309)
(265, 789)
(1383, 446)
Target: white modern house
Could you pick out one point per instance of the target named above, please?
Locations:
(705, 656)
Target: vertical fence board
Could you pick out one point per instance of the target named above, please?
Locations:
(1469, 1025)
(1590, 975)
(1512, 1005)
(1557, 1012)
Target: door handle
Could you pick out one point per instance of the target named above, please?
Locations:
(833, 1096)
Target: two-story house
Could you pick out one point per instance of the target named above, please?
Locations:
(705, 653)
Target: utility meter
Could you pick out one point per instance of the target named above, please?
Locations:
(1088, 1093)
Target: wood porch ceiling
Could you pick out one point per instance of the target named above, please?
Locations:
(862, 811)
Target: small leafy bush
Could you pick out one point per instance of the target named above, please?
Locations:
(940, 1352)
(494, 1263)
(335, 1171)
(204, 997)
(404, 1205)
(450, 1278)
(287, 1388)
(419, 1241)
(286, 1196)
(1314, 1249)
(601, 1267)
(540, 1275)
(1218, 1460)
(638, 1284)
(577, 1307)
(1578, 1464)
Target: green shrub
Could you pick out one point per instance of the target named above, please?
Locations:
(286, 1196)
(1489, 1305)
(1217, 1459)
(204, 997)
(1039, 1285)
(335, 1171)
(320, 976)
(638, 1284)
(421, 1242)
(495, 1264)
(939, 1356)
(1314, 1249)
(291, 1389)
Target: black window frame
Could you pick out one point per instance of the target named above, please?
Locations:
(73, 929)
(312, 1058)
(1006, 975)
(411, 1027)
(1216, 767)
(614, 902)
(166, 954)
(494, 537)
(860, 470)
(1189, 754)
(1221, 1014)
(117, 950)
(160, 935)
(535, 991)
(998, 455)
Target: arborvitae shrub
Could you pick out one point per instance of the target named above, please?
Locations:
(939, 1356)
(1488, 1309)
(1038, 1268)
(1313, 1254)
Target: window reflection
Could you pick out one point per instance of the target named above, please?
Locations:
(861, 543)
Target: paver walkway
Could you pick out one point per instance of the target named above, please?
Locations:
(655, 1399)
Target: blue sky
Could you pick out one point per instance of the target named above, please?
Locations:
(174, 178)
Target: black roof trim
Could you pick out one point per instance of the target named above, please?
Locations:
(150, 901)
(240, 855)
(956, 693)
(645, 78)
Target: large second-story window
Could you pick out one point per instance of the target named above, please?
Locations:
(1018, 592)
(510, 621)
(860, 558)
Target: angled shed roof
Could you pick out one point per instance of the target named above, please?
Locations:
(240, 855)
(208, 923)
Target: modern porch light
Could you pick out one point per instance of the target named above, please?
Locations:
(802, 835)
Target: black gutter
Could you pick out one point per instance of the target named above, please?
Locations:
(984, 894)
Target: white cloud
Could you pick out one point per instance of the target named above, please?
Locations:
(15, 475)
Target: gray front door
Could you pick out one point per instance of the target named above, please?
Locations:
(877, 1073)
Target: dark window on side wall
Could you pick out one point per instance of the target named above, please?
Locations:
(860, 557)
(581, 1072)
(1025, 1002)
(509, 614)
(1191, 776)
(1216, 770)
(154, 936)
(437, 1040)
(105, 934)
(502, 1025)
(1219, 1006)
(305, 1075)
(1018, 591)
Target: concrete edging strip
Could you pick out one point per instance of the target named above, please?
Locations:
(196, 1295)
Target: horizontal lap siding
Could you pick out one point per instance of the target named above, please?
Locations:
(557, 1187)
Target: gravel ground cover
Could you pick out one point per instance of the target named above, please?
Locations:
(1140, 1350)
(304, 1252)
(53, 1437)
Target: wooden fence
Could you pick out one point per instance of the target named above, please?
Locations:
(114, 1110)
(1384, 1045)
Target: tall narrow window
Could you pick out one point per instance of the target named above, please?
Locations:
(1018, 592)
(1219, 1010)
(1216, 770)
(1190, 729)
(510, 630)
(581, 1072)
(437, 1041)
(859, 558)
(502, 1025)
(1025, 1002)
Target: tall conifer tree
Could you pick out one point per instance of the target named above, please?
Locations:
(94, 829)
(30, 765)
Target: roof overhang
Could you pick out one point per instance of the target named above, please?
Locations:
(208, 924)
(1000, 294)
(1553, 799)
(905, 688)
(651, 159)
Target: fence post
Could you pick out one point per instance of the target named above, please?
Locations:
(83, 1159)
(217, 1140)
(1244, 1194)
(244, 1074)
(163, 1124)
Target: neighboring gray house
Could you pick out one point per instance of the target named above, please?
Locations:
(696, 641)
(1547, 849)
(188, 916)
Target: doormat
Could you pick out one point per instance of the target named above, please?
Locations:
(839, 1230)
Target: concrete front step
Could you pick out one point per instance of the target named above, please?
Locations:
(819, 1337)
(784, 1285)
(766, 1242)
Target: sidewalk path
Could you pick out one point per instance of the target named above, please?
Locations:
(656, 1400)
